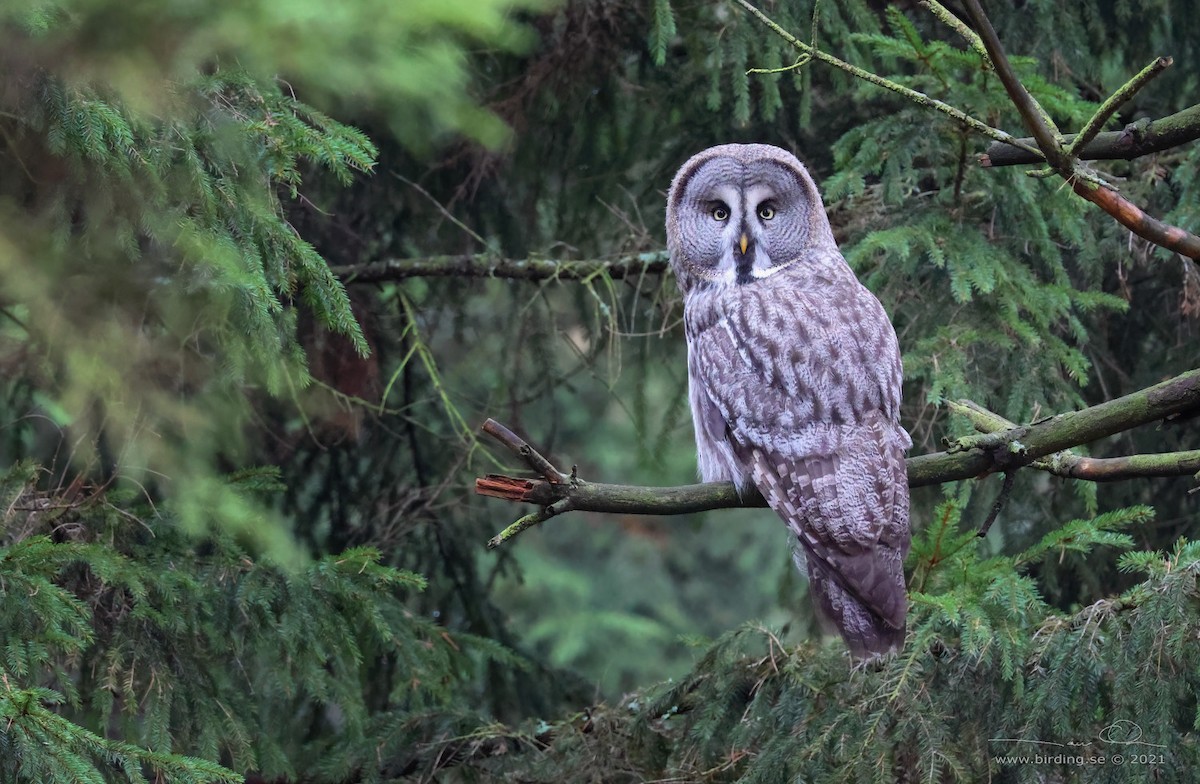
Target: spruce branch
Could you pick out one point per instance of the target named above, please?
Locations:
(487, 265)
(1051, 144)
(1003, 448)
(875, 79)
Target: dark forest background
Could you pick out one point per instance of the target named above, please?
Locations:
(265, 268)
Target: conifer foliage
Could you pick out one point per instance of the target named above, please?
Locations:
(157, 620)
(191, 653)
(996, 686)
(189, 197)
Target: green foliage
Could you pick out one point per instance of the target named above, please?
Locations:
(119, 627)
(151, 278)
(663, 30)
(1024, 305)
(406, 59)
(173, 193)
(991, 676)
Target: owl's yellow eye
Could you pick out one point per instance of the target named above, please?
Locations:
(766, 212)
(720, 213)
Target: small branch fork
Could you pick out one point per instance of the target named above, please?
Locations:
(1002, 446)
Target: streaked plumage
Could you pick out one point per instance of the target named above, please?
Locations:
(794, 378)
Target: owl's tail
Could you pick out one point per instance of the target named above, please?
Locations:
(866, 633)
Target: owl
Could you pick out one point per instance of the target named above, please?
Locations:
(794, 379)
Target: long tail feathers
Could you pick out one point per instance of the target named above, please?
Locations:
(866, 634)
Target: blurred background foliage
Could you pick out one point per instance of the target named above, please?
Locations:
(178, 181)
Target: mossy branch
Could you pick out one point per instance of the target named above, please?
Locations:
(1114, 101)
(953, 22)
(1093, 469)
(1004, 447)
(488, 265)
(1133, 141)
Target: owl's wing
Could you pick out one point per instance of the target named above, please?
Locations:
(809, 397)
(849, 512)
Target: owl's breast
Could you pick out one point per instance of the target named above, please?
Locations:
(790, 356)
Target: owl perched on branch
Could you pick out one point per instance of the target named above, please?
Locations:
(794, 379)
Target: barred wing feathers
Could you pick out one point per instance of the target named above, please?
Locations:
(807, 383)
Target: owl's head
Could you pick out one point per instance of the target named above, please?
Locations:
(740, 213)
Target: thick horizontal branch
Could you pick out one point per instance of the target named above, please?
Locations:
(1135, 140)
(974, 456)
(620, 499)
(487, 265)
(1026, 444)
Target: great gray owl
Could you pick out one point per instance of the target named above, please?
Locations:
(794, 378)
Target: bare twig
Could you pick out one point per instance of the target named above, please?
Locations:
(1114, 101)
(543, 467)
(1001, 499)
(521, 447)
(442, 209)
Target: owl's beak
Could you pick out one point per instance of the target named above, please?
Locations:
(744, 242)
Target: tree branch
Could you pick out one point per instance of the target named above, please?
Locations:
(1135, 140)
(1136, 220)
(1093, 469)
(1050, 143)
(876, 79)
(1114, 101)
(972, 39)
(1035, 117)
(1006, 449)
(486, 265)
